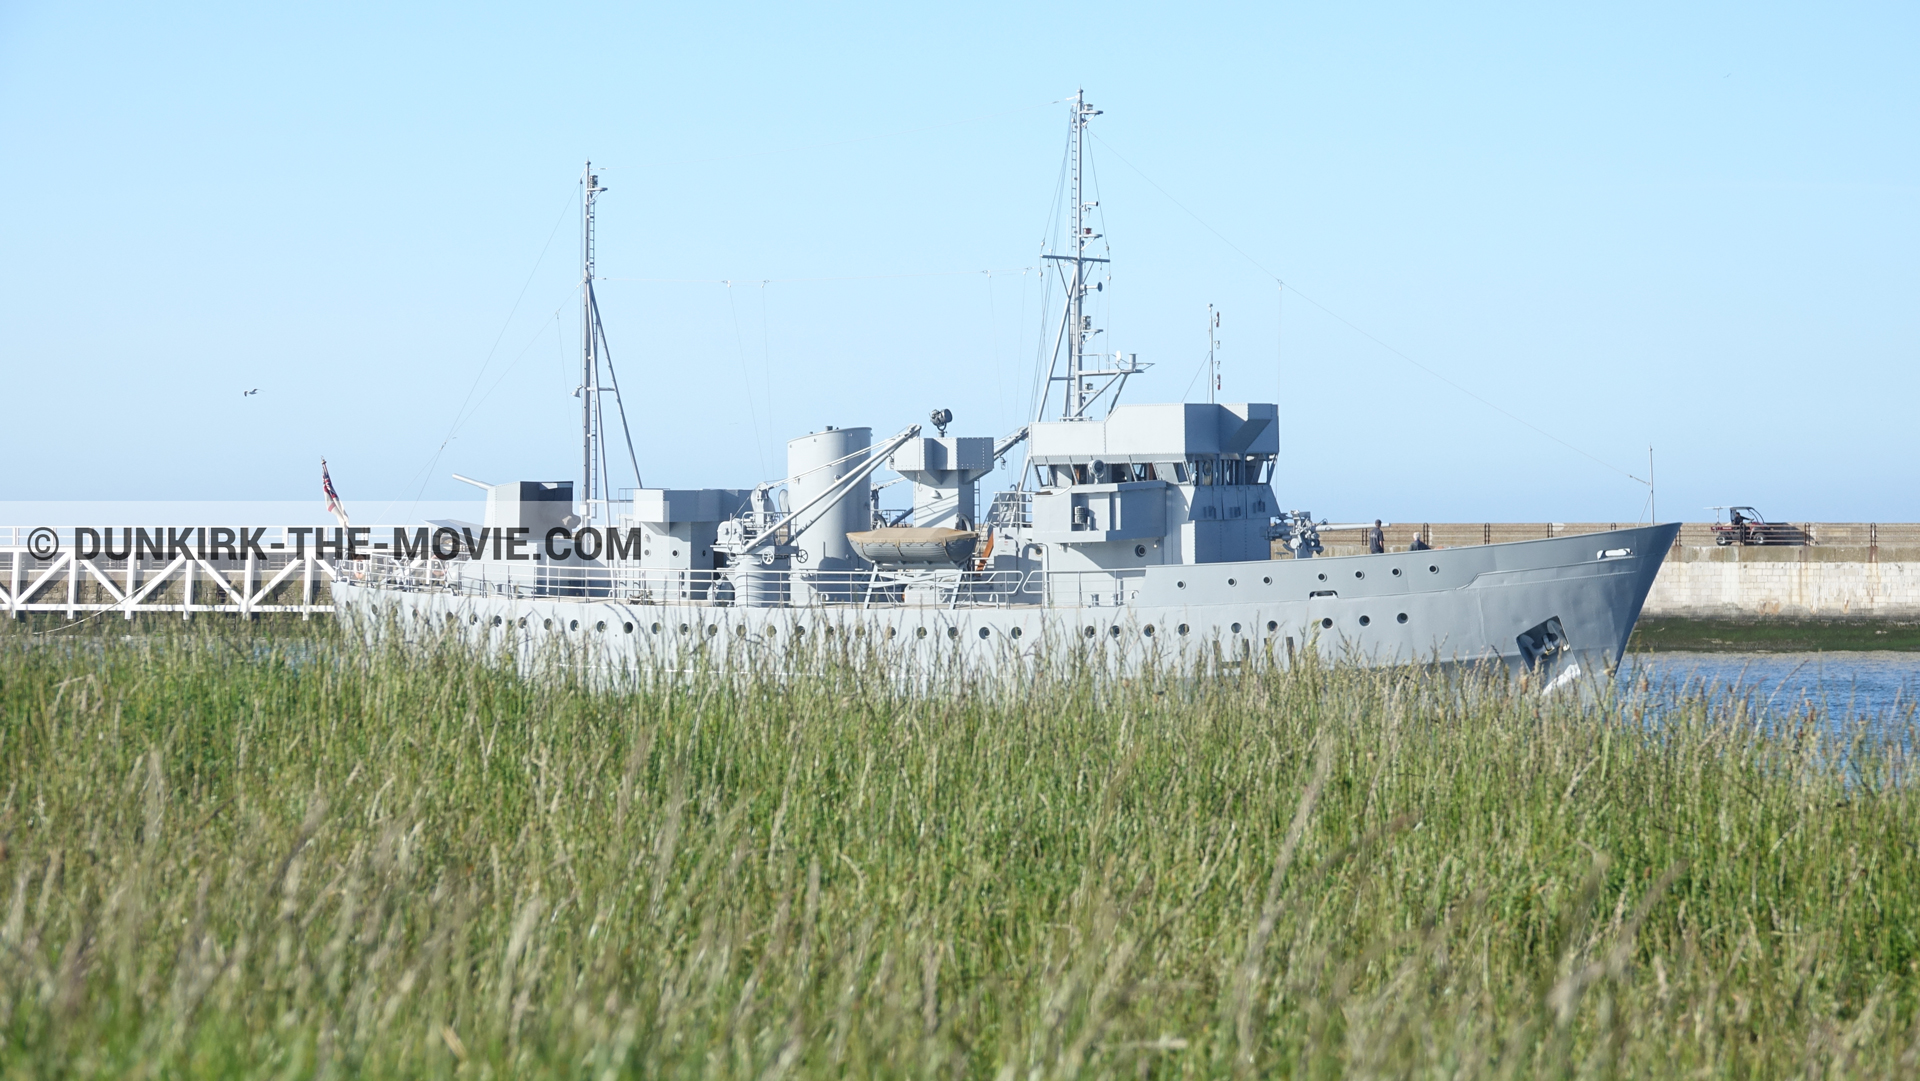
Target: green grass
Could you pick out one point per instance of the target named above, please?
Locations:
(237, 855)
(1773, 636)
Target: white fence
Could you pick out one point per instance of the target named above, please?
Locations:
(78, 571)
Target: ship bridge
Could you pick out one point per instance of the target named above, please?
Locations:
(1155, 484)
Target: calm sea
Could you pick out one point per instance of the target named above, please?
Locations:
(1882, 688)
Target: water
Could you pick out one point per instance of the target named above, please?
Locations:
(1878, 687)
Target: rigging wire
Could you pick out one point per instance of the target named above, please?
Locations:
(1049, 239)
(1195, 379)
(827, 278)
(993, 350)
(766, 364)
(462, 415)
(620, 403)
(1107, 307)
(1350, 325)
(1021, 322)
(849, 142)
(515, 362)
(746, 380)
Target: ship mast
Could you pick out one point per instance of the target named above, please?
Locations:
(1082, 379)
(596, 495)
(1081, 325)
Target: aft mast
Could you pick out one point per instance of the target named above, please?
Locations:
(596, 494)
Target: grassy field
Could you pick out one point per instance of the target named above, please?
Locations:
(225, 854)
(1773, 636)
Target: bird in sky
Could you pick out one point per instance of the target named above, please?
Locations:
(249, 393)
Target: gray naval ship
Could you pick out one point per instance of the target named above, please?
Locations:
(1145, 531)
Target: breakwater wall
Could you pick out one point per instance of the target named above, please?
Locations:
(1844, 571)
(1808, 583)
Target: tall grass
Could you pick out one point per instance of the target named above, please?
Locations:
(230, 854)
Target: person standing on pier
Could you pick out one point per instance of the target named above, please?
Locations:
(1376, 539)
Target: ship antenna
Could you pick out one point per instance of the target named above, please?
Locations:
(1213, 348)
(1076, 399)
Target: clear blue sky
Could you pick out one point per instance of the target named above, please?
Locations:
(1687, 227)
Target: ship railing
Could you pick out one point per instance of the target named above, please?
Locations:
(1010, 510)
(755, 586)
(1094, 589)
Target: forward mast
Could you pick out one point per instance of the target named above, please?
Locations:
(1088, 374)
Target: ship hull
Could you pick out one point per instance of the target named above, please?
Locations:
(1553, 608)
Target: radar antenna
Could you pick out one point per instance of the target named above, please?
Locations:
(1085, 369)
(596, 496)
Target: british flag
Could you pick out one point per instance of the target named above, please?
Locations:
(333, 498)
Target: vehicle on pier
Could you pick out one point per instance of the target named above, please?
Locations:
(1745, 525)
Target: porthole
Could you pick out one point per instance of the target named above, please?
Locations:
(772, 630)
(1396, 572)
(1236, 628)
(655, 628)
(1114, 630)
(1272, 626)
(1364, 621)
(953, 632)
(683, 628)
(1266, 581)
(919, 632)
(1435, 569)
(1015, 632)
(473, 619)
(1140, 549)
(496, 621)
(798, 630)
(574, 625)
(891, 631)
(713, 629)
(740, 631)
(1359, 574)
(1091, 632)
(1401, 618)
(1326, 624)
(985, 633)
(523, 621)
(1180, 585)
(1232, 582)
(1183, 628)
(1147, 630)
(676, 551)
(546, 624)
(601, 626)
(1323, 578)
(628, 627)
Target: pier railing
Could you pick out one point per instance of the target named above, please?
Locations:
(81, 572)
